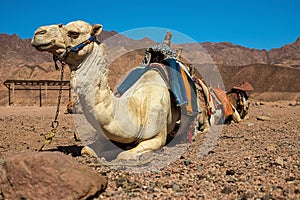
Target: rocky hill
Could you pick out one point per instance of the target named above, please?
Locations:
(228, 54)
(274, 71)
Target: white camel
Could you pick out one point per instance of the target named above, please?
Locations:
(144, 114)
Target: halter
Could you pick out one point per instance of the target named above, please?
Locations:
(62, 58)
(83, 44)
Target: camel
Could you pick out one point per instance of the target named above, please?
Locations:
(144, 115)
(219, 106)
(225, 107)
(239, 98)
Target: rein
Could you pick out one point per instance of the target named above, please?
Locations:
(62, 59)
(54, 124)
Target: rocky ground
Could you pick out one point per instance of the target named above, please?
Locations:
(256, 159)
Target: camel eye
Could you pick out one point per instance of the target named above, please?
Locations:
(73, 34)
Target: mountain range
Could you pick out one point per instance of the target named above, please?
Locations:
(274, 74)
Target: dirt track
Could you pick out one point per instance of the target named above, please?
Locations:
(256, 159)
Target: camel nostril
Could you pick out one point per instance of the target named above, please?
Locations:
(41, 32)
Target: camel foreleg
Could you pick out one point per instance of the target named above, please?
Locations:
(235, 115)
(145, 146)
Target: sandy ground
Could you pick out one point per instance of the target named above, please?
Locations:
(256, 159)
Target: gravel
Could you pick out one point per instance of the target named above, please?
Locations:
(255, 159)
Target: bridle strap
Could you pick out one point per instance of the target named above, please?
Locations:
(83, 44)
(62, 58)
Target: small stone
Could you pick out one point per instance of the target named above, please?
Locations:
(226, 190)
(259, 103)
(155, 170)
(246, 196)
(175, 187)
(230, 172)
(279, 161)
(263, 118)
(271, 147)
(293, 103)
(267, 197)
(144, 187)
(186, 162)
(167, 174)
(2, 161)
(250, 124)
(290, 179)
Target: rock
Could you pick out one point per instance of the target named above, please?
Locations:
(259, 103)
(175, 187)
(267, 196)
(263, 118)
(271, 147)
(226, 190)
(230, 172)
(250, 124)
(48, 175)
(186, 162)
(292, 103)
(279, 161)
(290, 179)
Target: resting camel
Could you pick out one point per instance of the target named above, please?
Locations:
(219, 106)
(144, 115)
(239, 98)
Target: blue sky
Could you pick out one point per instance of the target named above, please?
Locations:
(258, 24)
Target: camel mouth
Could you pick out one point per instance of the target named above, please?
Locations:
(44, 46)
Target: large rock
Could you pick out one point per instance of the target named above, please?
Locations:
(48, 175)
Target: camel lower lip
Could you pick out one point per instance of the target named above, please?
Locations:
(43, 46)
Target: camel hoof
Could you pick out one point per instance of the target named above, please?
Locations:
(89, 152)
(204, 130)
(127, 155)
(246, 117)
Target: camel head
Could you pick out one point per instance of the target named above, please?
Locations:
(62, 41)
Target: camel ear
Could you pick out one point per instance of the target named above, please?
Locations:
(96, 30)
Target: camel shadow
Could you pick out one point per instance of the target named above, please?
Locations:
(74, 150)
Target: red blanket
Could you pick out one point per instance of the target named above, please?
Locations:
(222, 97)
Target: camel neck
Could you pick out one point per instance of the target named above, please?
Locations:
(91, 77)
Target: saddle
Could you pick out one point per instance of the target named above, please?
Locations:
(161, 59)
